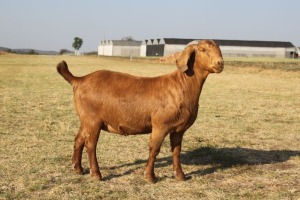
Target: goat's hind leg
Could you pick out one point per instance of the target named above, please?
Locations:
(77, 154)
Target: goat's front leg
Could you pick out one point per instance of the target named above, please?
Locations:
(176, 141)
(93, 133)
(156, 139)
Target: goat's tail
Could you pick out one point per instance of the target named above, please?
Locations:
(63, 70)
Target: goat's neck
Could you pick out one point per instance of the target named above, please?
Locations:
(200, 76)
(193, 83)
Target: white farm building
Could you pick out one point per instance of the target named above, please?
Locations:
(167, 46)
(229, 48)
(242, 48)
(119, 48)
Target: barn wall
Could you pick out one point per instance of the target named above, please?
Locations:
(161, 49)
(155, 50)
(101, 50)
(152, 50)
(143, 49)
(172, 48)
(235, 51)
(116, 51)
(126, 51)
(108, 48)
(291, 52)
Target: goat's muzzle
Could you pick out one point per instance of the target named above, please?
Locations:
(218, 66)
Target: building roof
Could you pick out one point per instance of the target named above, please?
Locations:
(176, 41)
(248, 43)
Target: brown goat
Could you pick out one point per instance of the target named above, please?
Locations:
(128, 105)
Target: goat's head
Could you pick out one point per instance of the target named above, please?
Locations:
(205, 54)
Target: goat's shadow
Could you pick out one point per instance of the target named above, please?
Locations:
(217, 158)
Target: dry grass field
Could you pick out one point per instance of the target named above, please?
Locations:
(245, 143)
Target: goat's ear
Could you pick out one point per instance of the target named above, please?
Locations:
(184, 56)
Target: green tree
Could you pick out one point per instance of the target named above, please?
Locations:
(77, 44)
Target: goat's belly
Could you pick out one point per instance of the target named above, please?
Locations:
(125, 129)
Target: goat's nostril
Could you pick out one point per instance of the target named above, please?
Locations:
(220, 62)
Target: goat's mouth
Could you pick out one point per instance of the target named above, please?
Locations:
(218, 69)
(218, 66)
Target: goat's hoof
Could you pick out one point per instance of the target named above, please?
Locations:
(180, 176)
(78, 170)
(150, 178)
(96, 176)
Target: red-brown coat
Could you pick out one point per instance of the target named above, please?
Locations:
(128, 105)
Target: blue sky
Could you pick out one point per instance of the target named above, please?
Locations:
(52, 24)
